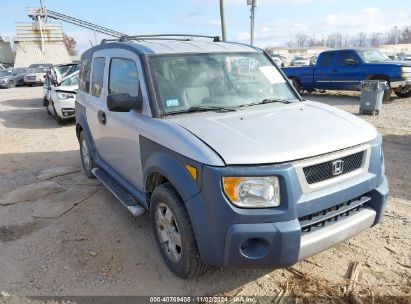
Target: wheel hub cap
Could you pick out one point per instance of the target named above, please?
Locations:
(168, 232)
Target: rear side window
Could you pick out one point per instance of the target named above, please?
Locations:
(326, 60)
(97, 76)
(85, 75)
(123, 77)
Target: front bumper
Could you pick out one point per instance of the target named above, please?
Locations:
(231, 236)
(65, 108)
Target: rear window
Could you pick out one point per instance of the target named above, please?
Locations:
(326, 60)
(85, 75)
(97, 76)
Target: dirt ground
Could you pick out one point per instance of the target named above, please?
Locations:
(95, 247)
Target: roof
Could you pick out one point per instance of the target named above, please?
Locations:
(174, 47)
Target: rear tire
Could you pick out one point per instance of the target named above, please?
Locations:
(403, 92)
(87, 159)
(173, 232)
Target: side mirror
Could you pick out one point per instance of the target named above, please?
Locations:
(351, 61)
(123, 102)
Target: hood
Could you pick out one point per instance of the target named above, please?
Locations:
(72, 88)
(391, 62)
(276, 133)
(5, 77)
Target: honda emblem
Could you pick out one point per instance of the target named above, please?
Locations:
(337, 167)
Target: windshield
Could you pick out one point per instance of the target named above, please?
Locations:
(372, 56)
(216, 80)
(67, 69)
(6, 73)
(71, 81)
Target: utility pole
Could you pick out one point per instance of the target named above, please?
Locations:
(253, 4)
(222, 16)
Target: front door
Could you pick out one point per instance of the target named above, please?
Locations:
(118, 144)
(348, 71)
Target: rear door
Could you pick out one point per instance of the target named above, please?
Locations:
(348, 74)
(95, 98)
(323, 71)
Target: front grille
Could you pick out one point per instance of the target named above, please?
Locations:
(321, 219)
(323, 171)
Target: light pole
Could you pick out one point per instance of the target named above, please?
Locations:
(222, 16)
(253, 4)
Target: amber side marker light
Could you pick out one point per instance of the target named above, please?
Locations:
(192, 170)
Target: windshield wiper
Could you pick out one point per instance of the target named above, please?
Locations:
(201, 109)
(267, 100)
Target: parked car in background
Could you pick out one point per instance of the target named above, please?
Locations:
(345, 69)
(234, 168)
(313, 60)
(55, 75)
(36, 74)
(9, 78)
(300, 61)
(407, 57)
(277, 61)
(62, 97)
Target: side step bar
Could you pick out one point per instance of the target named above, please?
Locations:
(119, 192)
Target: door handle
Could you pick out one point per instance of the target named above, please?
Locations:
(335, 70)
(102, 117)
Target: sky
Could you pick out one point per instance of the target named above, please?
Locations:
(277, 21)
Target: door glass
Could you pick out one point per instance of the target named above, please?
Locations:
(343, 56)
(85, 75)
(123, 77)
(326, 60)
(97, 76)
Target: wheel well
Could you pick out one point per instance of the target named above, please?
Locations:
(154, 179)
(79, 128)
(379, 77)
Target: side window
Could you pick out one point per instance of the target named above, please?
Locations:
(123, 77)
(85, 75)
(97, 76)
(343, 56)
(326, 59)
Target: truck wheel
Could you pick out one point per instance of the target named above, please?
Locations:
(87, 159)
(173, 231)
(404, 92)
(11, 84)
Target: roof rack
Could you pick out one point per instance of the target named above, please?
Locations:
(174, 37)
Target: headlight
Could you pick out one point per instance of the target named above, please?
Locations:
(64, 96)
(253, 192)
(406, 72)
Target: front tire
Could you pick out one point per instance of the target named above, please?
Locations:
(87, 159)
(173, 231)
(11, 84)
(296, 85)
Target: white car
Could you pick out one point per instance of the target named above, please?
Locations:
(277, 61)
(300, 61)
(62, 98)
